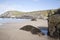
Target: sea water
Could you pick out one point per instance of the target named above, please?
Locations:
(5, 20)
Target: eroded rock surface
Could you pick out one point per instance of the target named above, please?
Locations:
(32, 29)
(54, 25)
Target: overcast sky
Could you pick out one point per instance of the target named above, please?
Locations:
(28, 5)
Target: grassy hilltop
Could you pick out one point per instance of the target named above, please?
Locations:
(33, 14)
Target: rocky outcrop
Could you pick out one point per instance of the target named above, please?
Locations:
(32, 29)
(54, 24)
(33, 19)
(26, 17)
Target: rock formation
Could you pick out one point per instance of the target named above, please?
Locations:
(54, 24)
(32, 29)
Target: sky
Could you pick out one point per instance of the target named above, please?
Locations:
(28, 5)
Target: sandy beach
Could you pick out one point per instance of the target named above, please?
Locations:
(10, 31)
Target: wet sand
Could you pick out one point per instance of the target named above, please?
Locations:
(10, 31)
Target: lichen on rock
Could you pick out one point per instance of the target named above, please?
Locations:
(54, 25)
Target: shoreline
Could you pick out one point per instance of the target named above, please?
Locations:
(38, 23)
(10, 31)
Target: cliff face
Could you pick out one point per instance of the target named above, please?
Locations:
(34, 14)
(54, 24)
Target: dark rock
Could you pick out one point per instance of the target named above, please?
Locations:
(28, 28)
(33, 19)
(32, 29)
(35, 31)
(54, 25)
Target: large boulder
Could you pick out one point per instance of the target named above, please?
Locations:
(32, 29)
(54, 25)
(33, 19)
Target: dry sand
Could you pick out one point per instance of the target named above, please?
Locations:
(10, 31)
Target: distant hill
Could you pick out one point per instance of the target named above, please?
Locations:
(34, 14)
(9, 14)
